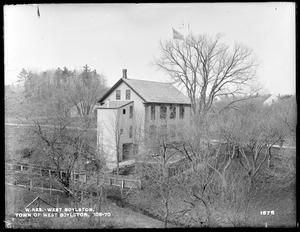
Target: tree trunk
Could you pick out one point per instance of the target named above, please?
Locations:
(166, 215)
(208, 213)
(118, 164)
(207, 209)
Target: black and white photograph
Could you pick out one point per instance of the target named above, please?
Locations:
(150, 115)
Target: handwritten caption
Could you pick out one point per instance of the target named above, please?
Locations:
(60, 212)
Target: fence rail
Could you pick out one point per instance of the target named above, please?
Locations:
(81, 176)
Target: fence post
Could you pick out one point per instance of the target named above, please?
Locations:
(122, 184)
(50, 187)
(269, 158)
(21, 167)
(42, 186)
(41, 172)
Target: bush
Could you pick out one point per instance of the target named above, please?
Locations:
(26, 152)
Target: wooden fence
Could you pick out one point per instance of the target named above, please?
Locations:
(82, 177)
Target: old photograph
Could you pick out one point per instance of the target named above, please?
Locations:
(150, 115)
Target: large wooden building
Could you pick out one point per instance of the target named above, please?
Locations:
(132, 110)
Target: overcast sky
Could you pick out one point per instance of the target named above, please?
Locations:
(111, 37)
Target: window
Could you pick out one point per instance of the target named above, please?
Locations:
(181, 112)
(130, 111)
(172, 112)
(152, 112)
(121, 131)
(124, 111)
(127, 94)
(76, 176)
(163, 112)
(130, 132)
(118, 94)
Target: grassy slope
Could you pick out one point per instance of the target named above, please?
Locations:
(16, 139)
(17, 198)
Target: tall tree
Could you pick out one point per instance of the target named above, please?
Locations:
(63, 147)
(254, 130)
(207, 68)
(58, 77)
(85, 89)
(25, 79)
(154, 168)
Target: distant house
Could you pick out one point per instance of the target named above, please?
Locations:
(132, 108)
(271, 100)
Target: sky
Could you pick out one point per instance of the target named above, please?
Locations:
(112, 37)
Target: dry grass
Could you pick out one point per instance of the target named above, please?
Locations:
(16, 199)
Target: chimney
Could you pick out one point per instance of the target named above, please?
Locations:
(124, 73)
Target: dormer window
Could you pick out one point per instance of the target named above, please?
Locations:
(118, 94)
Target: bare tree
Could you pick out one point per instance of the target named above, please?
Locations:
(254, 130)
(84, 90)
(65, 148)
(285, 112)
(202, 182)
(60, 89)
(154, 167)
(207, 68)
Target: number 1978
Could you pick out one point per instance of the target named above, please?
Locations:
(264, 212)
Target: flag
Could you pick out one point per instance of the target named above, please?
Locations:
(177, 35)
(38, 12)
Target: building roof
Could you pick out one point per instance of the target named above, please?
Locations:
(152, 92)
(270, 100)
(79, 104)
(117, 104)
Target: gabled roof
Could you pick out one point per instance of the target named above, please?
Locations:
(270, 100)
(152, 92)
